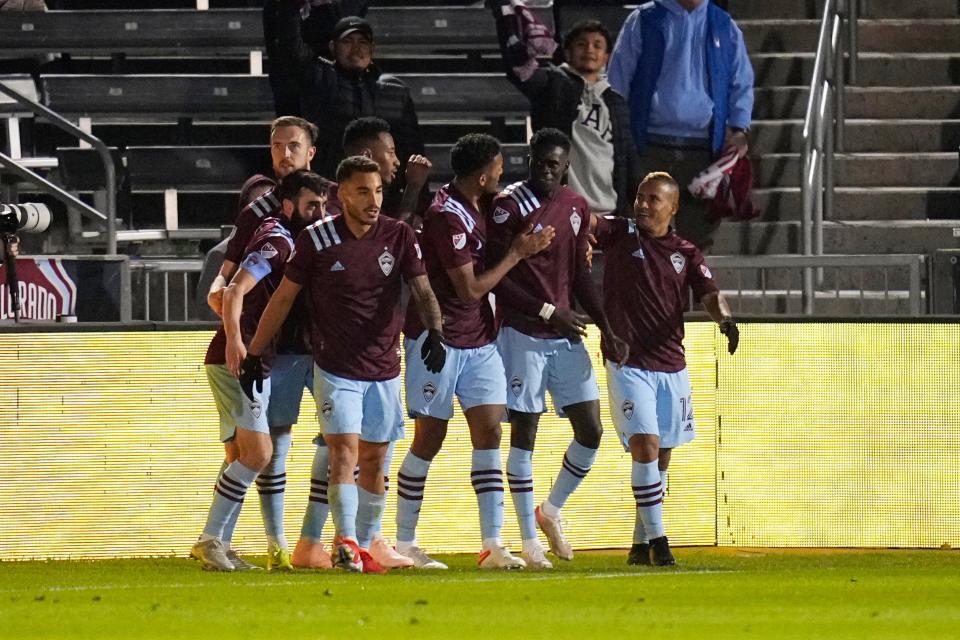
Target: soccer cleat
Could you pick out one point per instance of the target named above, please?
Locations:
(420, 559)
(660, 554)
(346, 555)
(639, 554)
(536, 559)
(310, 555)
(499, 558)
(239, 564)
(369, 564)
(386, 556)
(278, 559)
(552, 528)
(211, 555)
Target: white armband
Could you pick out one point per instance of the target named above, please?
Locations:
(546, 311)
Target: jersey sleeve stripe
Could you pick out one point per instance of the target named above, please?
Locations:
(328, 223)
(316, 239)
(323, 234)
(451, 206)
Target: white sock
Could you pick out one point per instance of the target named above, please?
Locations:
(529, 546)
(403, 546)
(491, 543)
(549, 510)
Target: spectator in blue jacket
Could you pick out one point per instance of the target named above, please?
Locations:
(684, 69)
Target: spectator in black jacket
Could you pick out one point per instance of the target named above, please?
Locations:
(332, 93)
(576, 98)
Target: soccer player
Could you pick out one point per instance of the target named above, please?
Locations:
(352, 266)
(251, 446)
(647, 274)
(541, 343)
(454, 241)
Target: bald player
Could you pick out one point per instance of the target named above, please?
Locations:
(647, 274)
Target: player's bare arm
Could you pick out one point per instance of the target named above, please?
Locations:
(471, 287)
(716, 305)
(233, 295)
(416, 175)
(434, 354)
(215, 295)
(586, 294)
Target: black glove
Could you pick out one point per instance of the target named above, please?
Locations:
(251, 375)
(729, 328)
(433, 352)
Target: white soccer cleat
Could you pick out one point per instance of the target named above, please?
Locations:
(212, 555)
(420, 558)
(553, 529)
(536, 559)
(388, 557)
(499, 558)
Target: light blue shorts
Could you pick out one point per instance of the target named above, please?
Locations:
(475, 376)
(650, 403)
(290, 375)
(235, 409)
(534, 366)
(371, 409)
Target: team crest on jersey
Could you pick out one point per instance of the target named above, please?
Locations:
(326, 409)
(705, 271)
(679, 262)
(386, 262)
(256, 408)
(500, 215)
(459, 241)
(268, 251)
(429, 391)
(575, 221)
(516, 385)
(627, 408)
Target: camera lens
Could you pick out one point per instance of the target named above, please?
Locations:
(31, 217)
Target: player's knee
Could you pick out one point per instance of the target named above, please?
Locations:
(428, 440)
(644, 448)
(588, 435)
(256, 458)
(487, 438)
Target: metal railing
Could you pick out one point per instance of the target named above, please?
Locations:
(48, 187)
(150, 270)
(855, 271)
(823, 126)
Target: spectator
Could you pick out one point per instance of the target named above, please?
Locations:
(575, 98)
(683, 66)
(22, 5)
(332, 93)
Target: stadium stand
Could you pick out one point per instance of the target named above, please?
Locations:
(898, 188)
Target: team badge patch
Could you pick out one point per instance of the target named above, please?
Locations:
(268, 251)
(627, 408)
(256, 408)
(516, 385)
(705, 271)
(575, 222)
(459, 241)
(326, 409)
(429, 391)
(386, 261)
(679, 262)
(500, 215)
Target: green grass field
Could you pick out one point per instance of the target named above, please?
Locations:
(713, 593)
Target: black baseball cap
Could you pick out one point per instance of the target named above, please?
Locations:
(350, 24)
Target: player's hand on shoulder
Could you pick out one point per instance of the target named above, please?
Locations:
(236, 352)
(530, 242)
(215, 302)
(251, 375)
(729, 328)
(418, 170)
(434, 351)
(569, 324)
(619, 347)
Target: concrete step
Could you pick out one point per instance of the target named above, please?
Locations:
(783, 279)
(864, 102)
(920, 35)
(826, 303)
(875, 69)
(862, 135)
(889, 236)
(866, 203)
(866, 169)
(767, 9)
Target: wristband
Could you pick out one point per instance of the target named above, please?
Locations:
(546, 311)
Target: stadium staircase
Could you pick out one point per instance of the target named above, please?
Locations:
(172, 90)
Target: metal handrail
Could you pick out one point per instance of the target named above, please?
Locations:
(110, 171)
(823, 127)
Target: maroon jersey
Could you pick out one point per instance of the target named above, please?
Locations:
(454, 235)
(266, 205)
(253, 188)
(265, 258)
(550, 274)
(353, 290)
(645, 284)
